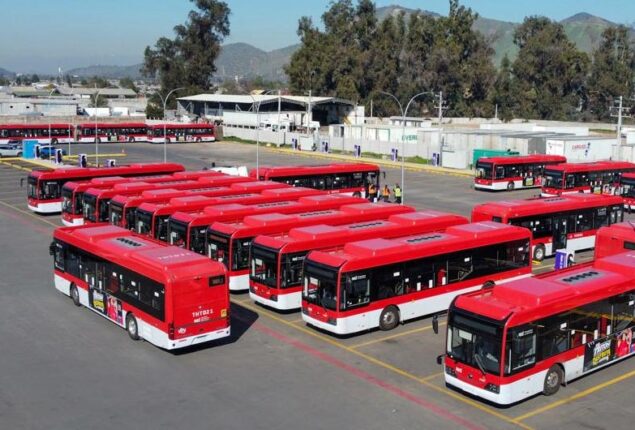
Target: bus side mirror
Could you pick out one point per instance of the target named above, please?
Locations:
(52, 248)
(435, 324)
(440, 359)
(384, 174)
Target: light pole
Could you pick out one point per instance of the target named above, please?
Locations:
(403, 135)
(96, 138)
(257, 106)
(165, 132)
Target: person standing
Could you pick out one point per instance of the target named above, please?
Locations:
(372, 192)
(397, 192)
(385, 193)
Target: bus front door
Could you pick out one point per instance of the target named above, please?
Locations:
(96, 293)
(559, 234)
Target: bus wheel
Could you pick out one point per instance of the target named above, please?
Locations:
(75, 295)
(488, 284)
(53, 141)
(357, 194)
(131, 327)
(553, 380)
(389, 318)
(98, 140)
(131, 139)
(510, 186)
(198, 140)
(539, 252)
(167, 140)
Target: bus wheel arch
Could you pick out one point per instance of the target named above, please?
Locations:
(389, 318)
(199, 140)
(539, 252)
(553, 380)
(488, 284)
(510, 186)
(132, 327)
(54, 141)
(74, 293)
(357, 194)
(131, 139)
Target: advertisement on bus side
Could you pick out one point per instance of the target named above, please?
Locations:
(605, 350)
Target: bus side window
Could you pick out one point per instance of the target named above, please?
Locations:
(60, 256)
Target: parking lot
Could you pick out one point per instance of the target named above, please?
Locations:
(66, 367)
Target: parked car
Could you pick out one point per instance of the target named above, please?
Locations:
(49, 151)
(10, 150)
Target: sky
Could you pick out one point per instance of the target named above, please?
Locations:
(42, 35)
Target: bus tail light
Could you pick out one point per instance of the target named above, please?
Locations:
(223, 313)
(171, 331)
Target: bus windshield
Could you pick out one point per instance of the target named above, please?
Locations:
(115, 213)
(320, 285)
(484, 170)
(90, 203)
(218, 247)
(67, 200)
(263, 266)
(553, 179)
(177, 232)
(291, 270)
(104, 204)
(197, 239)
(143, 222)
(240, 253)
(32, 187)
(475, 342)
(161, 227)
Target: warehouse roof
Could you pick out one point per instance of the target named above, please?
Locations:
(270, 98)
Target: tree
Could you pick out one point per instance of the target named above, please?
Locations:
(549, 72)
(97, 101)
(612, 71)
(188, 60)
(503, 93)
(35, 78)
(128, 83)
(68, 80)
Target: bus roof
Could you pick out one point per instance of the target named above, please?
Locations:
(373, 252)
(138, 187)
(525, 207)
(122, 247)
(195, 174)
(610, 240)
(223, 180)
(40, 126)
(520, 159)
(590, 167)
(531, 298)
(302, 238)
(112, 125)
(257, 186)
(305, 170)
(278, 222)
(91, 172)
(179, 125)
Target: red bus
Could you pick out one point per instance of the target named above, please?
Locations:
(152, 219)
(42, 133)
(600, 177)
(181, 133)
(380, 282)
(514, 172)
(567, 222)
(112, 132)
(189, 229)
(169, 297)
(276, 261)
(230, 243)
(73, 194)
(615, 239)
(353, 178)
(533, 335)
(122, 210)
(626, 189)
(44, 187)
(97, 201)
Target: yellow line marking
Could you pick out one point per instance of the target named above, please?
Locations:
(296, 321)
(392, 368)
(405, 333)
(29, 214)
(429, 377)
(574, 397)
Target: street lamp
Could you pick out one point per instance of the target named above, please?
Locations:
(257, 106)
(165, 134)
(403, 135)
(96, 138)
(48, 103)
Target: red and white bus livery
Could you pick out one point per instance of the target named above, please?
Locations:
(568, 222)
(44, 187)
(112, 132)
(380, 282)
(230, 243)
(44, 134)
(615, 239)
(626, 189)
(533, 335)
(600, 177)
(170, 297)
(189, 229)
(181, 133)
(514, 172)
(352, 178)
(276, 261)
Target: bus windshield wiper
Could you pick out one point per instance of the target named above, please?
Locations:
(479, 362)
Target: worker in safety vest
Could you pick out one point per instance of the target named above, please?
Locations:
(385, 194)
(397, 191)
(372, 192)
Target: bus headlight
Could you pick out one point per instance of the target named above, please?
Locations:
(493, 388)
(450, 371)
(273, 297)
